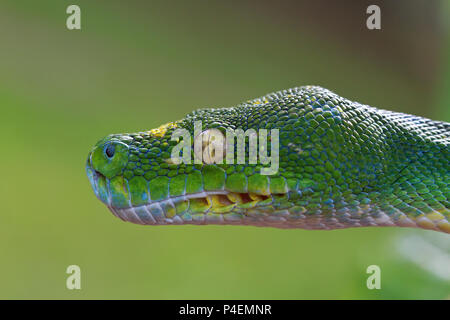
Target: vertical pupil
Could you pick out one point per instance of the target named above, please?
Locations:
(110, 149)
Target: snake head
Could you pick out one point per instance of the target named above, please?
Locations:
(135, 176)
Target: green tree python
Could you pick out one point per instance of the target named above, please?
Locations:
(340, 164)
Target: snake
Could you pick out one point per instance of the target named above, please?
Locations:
(338, 164)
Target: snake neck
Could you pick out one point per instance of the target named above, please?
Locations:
(417, 191)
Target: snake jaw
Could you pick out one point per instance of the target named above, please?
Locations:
(205, 207)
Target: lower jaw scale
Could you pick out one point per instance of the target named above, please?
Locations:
(203, 208)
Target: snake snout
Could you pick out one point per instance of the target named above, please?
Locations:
(109, 158)
(104, 167)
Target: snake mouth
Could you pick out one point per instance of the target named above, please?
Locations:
(97, 175)
(209, 207)
(206, 207)
(99, 183)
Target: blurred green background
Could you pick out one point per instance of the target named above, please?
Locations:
(138, 64)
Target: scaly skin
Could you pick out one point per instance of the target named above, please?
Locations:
(342, 164)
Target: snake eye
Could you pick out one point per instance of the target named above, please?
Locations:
(110, 150)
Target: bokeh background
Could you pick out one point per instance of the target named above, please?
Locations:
(138, 64)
